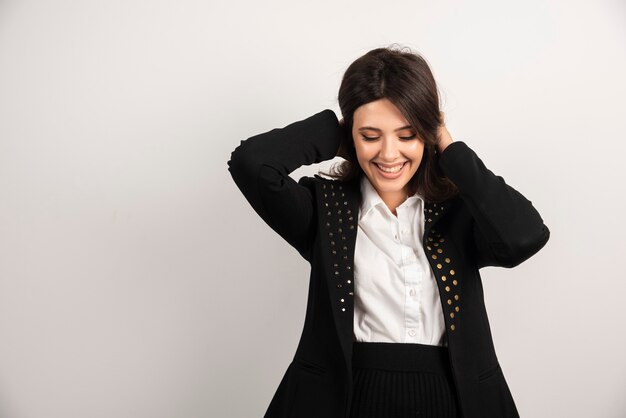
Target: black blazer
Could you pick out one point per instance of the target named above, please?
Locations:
(488, 224)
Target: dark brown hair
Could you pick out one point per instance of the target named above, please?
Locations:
(405, 79)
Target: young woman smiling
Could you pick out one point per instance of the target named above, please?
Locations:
(396, 324)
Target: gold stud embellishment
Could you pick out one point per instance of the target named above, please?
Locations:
(335, 224)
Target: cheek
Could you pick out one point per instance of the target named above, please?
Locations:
(363, 153)
(417, 152)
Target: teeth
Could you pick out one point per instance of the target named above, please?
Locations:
(390, 170)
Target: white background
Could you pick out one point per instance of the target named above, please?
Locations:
(136, 281)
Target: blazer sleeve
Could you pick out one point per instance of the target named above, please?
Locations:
(507, 229)
(260, 167)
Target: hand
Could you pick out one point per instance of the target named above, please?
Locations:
(443, 135)
(342, 151)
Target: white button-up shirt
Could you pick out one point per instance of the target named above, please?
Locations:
(396, 298)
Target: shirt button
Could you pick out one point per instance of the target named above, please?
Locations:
(412, 333)
(412, 292)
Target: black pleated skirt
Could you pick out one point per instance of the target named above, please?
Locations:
(401, 380)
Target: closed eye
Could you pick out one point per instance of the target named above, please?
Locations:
(406, 138)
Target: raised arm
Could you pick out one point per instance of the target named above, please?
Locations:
(507, 228)
(260, 167)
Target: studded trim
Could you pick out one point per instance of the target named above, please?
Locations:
(339, 219)
(444, 267)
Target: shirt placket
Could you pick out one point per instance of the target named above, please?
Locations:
(412, 276)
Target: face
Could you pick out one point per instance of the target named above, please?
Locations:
(383, 138)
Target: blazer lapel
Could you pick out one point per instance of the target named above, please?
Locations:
(339, 215)
(443, 259)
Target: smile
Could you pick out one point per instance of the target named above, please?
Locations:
(391, 172)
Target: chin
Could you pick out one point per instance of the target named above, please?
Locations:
(390, 188)
(389, 185)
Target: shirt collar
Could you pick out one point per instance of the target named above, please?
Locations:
(371, 198)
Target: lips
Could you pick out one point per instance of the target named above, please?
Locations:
(394, 168)
(393, 174)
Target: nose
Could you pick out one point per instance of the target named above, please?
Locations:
(389, 151)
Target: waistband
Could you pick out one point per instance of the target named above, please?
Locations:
(401, 357)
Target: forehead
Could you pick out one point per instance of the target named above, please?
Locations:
(381, 114)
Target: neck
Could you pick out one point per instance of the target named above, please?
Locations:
(393, 199)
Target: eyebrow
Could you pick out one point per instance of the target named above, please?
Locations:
(371, 128)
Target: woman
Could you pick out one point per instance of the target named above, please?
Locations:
(396, 324)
